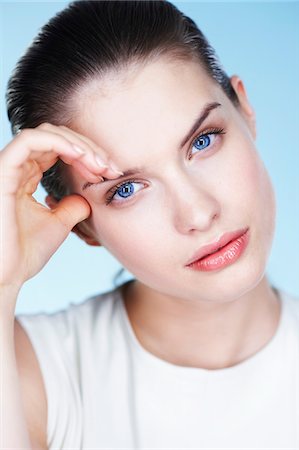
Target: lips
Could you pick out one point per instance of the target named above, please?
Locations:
(213, 247)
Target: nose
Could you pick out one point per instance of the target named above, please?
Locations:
(195, 207)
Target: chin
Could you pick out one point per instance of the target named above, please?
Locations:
(226, 285)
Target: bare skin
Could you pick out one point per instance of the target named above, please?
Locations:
(25, 247)
(186, 317)
(183, 201)
(207, 338)
(23, 160)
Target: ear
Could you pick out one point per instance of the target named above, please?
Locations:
(246, 109)
(82, 230)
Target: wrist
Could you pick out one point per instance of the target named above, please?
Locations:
(8, 298)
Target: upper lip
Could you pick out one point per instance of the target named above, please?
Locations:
(221, 242)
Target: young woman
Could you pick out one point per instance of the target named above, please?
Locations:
(145, 146)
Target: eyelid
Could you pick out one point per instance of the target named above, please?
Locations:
(205, 131)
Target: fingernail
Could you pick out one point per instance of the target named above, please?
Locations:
(115, 169)
(78, 149)
(100, 162)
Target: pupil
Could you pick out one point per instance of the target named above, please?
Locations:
(203, 141)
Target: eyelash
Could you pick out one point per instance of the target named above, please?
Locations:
(111, 193)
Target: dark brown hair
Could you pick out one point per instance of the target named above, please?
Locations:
(90, 39)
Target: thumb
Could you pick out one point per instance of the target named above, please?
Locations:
(71, 210)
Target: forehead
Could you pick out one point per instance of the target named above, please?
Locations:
(144, 110)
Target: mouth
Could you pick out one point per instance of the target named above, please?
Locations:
(223, 251)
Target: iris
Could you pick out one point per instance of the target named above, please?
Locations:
(202, 142)
(125, 190)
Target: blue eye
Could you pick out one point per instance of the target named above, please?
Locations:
(205, 140)
(124, 191)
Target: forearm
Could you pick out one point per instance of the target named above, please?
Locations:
(13, 428)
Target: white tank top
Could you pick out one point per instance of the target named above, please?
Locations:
(105, 391)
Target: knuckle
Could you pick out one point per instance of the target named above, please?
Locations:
(24, 133)
(45, 126)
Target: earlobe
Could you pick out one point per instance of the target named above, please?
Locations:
(245, 106)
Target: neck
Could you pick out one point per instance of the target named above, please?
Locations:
(194, 335)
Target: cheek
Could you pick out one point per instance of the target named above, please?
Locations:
(257, 187)
(265, 204)
(243, 178)
(132, 238)
(253, 195)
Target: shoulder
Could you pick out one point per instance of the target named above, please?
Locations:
(66, 336)
(32, 388)
(94, 308)
(61, 346)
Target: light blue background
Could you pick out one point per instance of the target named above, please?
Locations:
(257, 40)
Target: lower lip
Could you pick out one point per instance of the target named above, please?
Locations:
(227, 255)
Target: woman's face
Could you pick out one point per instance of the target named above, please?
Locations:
(177, 198)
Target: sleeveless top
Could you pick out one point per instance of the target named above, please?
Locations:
(105, 391)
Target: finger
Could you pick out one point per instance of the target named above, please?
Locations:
(94, 157)
(45, 148)
(33, 141)
(86, 174)
(95, 148)
(71, 210)
(80, 137)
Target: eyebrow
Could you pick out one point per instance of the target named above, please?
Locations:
(202, 117)
(197, 123)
